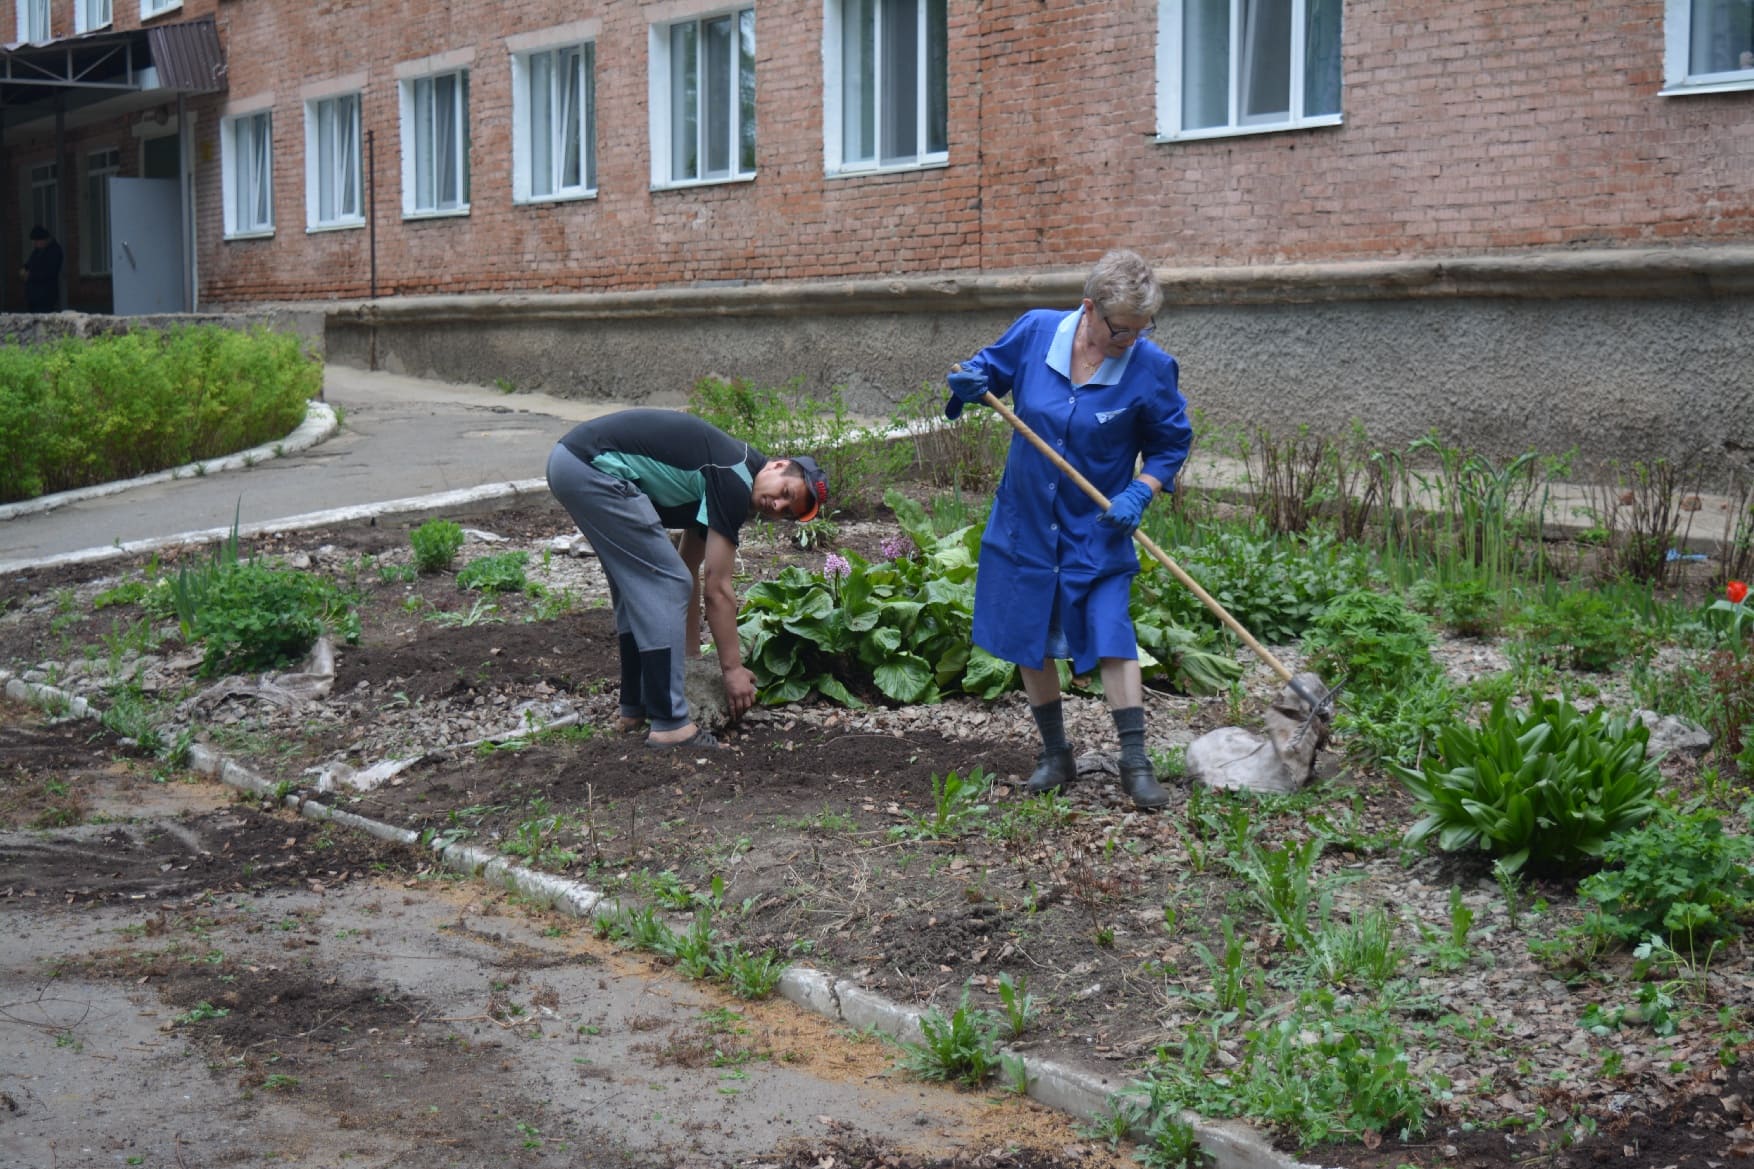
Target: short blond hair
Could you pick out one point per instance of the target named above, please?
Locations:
(1123, 283)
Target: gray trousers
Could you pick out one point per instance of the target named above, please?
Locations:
(649, 586)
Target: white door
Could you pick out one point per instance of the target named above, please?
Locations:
(146, 246)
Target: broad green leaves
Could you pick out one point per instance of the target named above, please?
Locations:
(904, 627)
(1547, 787)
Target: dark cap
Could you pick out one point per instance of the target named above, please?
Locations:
(817, 482)
(39, 232)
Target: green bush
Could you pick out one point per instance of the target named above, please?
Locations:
(83, 411)
(435, 545)
(1371, 639)
(253, 616)
(1396, 697)
(499, 573)
(1549, 787)
(1274, 585)
(1679, 875)
(1580, 630)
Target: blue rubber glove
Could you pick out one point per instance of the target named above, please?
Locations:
(965, 387)
(1128, 508)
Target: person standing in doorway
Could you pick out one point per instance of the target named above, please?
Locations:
(1056, 571)
(42, 272)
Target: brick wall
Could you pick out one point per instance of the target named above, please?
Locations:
(1469, 127)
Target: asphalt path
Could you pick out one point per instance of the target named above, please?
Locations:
(385, 442)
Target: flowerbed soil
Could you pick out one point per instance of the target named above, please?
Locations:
(191, 978)
(822, 825)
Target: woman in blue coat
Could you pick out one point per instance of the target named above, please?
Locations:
(1056, 570)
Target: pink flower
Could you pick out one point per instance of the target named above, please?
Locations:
(897, 547)
(836, 566)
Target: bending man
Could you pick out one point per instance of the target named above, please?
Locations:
(625, 479)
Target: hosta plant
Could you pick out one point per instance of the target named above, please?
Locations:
(1546, 787)
(902, 623)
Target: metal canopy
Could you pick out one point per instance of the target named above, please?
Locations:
(109, 68)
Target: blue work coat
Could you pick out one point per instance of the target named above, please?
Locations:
(1043, 545)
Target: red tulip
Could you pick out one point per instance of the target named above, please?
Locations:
(1736, 591)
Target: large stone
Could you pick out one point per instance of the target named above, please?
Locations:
(704, 686)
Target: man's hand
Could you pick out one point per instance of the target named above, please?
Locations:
(739, 691)
(965, 388)
(1128, 508)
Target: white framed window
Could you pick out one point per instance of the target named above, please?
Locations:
(33, 20)
(94, 219)
(1246, 66)
(703, 99)
(885, 71)
(1708, 45)
(42, 194)
(332, 163)
(435, 144)
(149, 8)
(89, 15)
(246, 143)
(554, 123)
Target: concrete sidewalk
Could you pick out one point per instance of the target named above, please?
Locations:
(384, 443)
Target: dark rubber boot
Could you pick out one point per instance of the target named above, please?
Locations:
(1053, 771)
(1138, 782)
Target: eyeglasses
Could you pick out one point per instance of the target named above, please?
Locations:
(1115, 334)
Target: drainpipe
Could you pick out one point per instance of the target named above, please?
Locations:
(60, 198)
(6, 276)
(371, 202)
(185, 187)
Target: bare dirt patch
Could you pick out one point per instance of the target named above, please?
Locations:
(238, 985)
(823, 834)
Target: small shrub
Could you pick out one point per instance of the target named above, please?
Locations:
(1679, 875)
(1371, 639)
(435, 545)
(1730, 711)
(256, 617)
(1397, 696)
(1548, 787)
(1580, 630)
(500, 573)
(1470, 608)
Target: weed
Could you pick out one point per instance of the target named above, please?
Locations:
(960, 1048)
(1021, 1007)
(436, 543)
(201, 1012)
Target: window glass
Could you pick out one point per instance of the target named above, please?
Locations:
(45, 198)
(249, 174)
(1241, 65)
(94, 244)
(557, 122)
(90, 14)
(440, 142)
(711, 94)
(336, 157)
(1721, 37)
(33, 20)
(894, 81)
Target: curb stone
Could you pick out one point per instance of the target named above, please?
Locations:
(1079, 1093)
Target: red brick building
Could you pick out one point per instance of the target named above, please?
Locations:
(538, 145)
(1363, 210)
